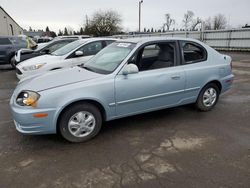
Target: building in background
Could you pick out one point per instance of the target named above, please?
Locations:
(8, 26)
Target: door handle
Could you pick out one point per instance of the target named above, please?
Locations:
(175, 77)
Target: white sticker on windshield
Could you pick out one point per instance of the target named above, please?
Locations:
(124, 45)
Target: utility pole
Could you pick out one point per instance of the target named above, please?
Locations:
(140, 2)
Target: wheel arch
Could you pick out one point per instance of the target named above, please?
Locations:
(90, 101)
(217, 83)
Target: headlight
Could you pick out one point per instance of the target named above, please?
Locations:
(33, 67)
(27, 98)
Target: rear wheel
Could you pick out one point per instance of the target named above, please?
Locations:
(208, 97)
(80, 122)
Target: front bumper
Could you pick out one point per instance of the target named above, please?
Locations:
(26, 123)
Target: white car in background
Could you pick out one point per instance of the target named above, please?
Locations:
(75, 53)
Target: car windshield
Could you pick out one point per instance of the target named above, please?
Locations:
(67, 48)
(107, 60)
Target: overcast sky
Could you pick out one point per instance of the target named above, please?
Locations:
(58, 14)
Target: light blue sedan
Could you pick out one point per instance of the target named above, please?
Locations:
(128, 77)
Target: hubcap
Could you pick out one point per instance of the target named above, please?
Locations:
(81, 124)
(209, 97)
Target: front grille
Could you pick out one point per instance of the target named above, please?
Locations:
(18, 71)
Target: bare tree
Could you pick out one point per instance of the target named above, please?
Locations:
(168, 22)
(195, 23)
(188, 18)
(219, 22)
(104, 23)
(208, 24)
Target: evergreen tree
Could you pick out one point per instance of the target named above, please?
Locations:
(65, 31)
(60, 33)
(81, 31)
(47, 29)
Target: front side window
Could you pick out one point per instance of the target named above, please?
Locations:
(68, 48)
(107, 60)
(91, 48)
(193, 53)
(156, 56)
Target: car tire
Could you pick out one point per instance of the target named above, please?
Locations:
(73, 124)
(208, 97)
(12, 62)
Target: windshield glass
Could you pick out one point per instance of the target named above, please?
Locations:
(43, 45)
(107, 60)
(67, 48)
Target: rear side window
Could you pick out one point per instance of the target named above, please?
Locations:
(18, 41)
(4, 41)
(193, 53)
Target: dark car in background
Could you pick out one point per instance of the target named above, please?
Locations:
(8, 46)
(50, 47)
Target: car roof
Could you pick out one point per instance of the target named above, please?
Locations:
(140, 40)
(87, 40)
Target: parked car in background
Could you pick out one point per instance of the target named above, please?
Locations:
(72, 54)
(129, 77)
(40, 40)
(9, 45)
(47, 48)
(73, 36)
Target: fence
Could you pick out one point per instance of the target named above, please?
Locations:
(234, 39)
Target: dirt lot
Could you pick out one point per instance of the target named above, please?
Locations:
(177, 147)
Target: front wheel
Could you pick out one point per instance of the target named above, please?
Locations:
(80, 122)
(13, 62)
(208, 97)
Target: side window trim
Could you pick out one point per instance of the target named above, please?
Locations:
(182, 52)
(177, 54)
(158, 42)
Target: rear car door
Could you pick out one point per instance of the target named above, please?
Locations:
(160, 82)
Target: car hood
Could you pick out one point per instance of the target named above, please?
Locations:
(56, 78)
(40, 59)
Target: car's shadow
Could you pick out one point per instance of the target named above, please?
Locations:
(143, 122)
(6, 68)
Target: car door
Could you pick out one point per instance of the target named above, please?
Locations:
(6, 49)
(157, 85)
(196, 67)
(88, 51)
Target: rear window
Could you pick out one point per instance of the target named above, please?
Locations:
(4, 41)
(193, 52)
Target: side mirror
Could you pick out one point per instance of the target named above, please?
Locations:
(79, 53)
(130, 69)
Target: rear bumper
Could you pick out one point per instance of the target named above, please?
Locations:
(227, 82)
